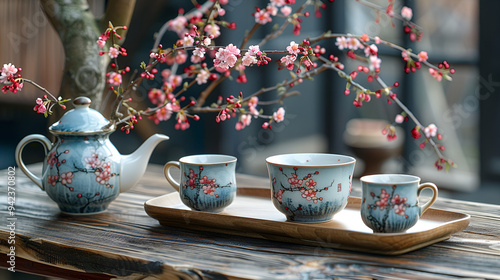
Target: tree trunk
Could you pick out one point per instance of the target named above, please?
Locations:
(84, 70)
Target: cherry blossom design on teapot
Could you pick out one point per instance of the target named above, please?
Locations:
(83, 172)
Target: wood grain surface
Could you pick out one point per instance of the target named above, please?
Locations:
(125, 243)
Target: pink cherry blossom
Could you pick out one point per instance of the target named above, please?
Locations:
(253, 101)
(232, 49)
(248, 59)
(7, 71)
(166, 73)
(286, 10)
(371, 50)
(279, 115)
(278, 3)
(430, 130)
(262, 17)
(293, 48)
(164, 113)
(188, 40)
(196, 59)
(207, 41)
(182, 121)
(422, 56)
(101, 43)
(288, 61)
(199, 51)
(113, 52)
(353, 43)
(436, 74)
(202, 77)
(178, 25)
(253, 111)
(399, 118)
(176, 80)
(375, 62)
(272, 10)
(114, 79)
(244, 121)
(180, 57)
(405, 55)
(406, 13)
(254, 50)
(156, 96)
(40, 106)
(342, 43)
(213, 30)
(377, 40)
(226, 58)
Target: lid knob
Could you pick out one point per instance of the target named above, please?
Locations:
(81, 102)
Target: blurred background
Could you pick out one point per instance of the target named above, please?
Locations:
(321, 119)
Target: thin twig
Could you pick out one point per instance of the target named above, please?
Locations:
(411, 116)
(382, 9)
(42, 89)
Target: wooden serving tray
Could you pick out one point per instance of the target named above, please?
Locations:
(252, 214)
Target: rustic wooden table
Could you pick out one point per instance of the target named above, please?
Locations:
(126, 243)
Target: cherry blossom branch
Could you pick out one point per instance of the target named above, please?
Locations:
(327, 35)
(56, 100)
(280, 31)
(392, 96)
(207, 5)
(206, 109)
(411, 116)
(206, 92)
(115, 113)
(249, 35)
(379, 9)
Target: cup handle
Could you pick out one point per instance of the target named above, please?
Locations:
(169, 177)
(434, 189)
(19, 149)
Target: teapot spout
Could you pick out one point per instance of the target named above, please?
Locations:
(134, 165)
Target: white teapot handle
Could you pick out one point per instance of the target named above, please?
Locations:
(19, 149)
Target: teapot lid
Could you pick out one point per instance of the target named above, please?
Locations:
(81, 120)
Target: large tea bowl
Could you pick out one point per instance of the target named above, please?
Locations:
(310, 187)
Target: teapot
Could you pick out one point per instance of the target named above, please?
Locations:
(82, 171)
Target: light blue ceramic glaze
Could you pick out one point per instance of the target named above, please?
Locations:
(310, 187)
(83, 172)
(390, 202)
(208, 182)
